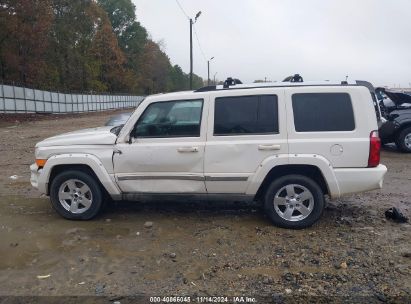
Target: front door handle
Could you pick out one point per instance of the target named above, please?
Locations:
(117, 151)
(269, 147)
(187, 149)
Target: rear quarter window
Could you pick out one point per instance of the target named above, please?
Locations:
(323, 112)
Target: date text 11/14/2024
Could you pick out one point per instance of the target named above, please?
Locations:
(203, 299)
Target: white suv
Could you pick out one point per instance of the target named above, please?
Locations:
(286, 145)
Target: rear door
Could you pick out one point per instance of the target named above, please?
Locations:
(245, 127)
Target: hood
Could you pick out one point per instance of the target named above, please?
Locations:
(397, 97)
(92, 136)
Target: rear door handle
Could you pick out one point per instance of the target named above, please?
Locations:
(187, 149)
(269, 147)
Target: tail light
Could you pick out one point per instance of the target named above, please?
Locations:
(375, 148)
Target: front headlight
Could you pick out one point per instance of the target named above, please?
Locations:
(40, 159)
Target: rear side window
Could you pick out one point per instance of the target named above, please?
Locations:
(322, 112)
(242, 115)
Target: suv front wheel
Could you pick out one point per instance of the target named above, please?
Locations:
(294, 201)
(75, 195)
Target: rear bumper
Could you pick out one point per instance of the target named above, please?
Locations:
(355, 180)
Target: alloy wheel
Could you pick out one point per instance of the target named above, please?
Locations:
(75, 196)
(407, 140)
(293, 202)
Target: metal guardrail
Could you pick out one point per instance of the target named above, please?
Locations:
(14, 99)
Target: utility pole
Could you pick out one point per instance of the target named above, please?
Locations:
(208, 70)
(191, 47)
(191, 54)
(216, 83)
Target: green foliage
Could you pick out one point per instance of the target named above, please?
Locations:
(131, 36)
(121, 13)
(179, 80)
(83, 45)
(198, 82)
(24, 28)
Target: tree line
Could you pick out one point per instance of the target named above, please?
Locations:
(83, 45)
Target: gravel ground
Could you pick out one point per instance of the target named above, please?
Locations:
(194, 248)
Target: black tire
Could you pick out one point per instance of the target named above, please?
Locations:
(95, 189)
(401, 138)
(317, 201)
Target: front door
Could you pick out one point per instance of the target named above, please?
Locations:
(166, 150)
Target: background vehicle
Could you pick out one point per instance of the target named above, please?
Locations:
(287, 145)
(119, 119)
(396, 109)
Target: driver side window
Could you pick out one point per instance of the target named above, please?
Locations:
(170, 119)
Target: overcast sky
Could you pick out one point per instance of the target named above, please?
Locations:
(319, 39)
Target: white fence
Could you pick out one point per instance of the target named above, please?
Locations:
(15, 99)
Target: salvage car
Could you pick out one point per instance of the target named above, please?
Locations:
(119, 119)
(287, 145)
(396, 109)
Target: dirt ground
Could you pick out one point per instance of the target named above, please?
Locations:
(192, 248)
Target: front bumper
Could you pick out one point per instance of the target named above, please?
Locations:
(35, 179)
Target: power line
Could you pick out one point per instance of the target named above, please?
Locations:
(182, 9)
(199, 44)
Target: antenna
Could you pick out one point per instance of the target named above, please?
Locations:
(197, 15)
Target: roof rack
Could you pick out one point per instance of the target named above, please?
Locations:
(295, 78)
(230, 82)
(291, 81)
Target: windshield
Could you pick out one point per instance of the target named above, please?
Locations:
(123, 119)
(125, 122)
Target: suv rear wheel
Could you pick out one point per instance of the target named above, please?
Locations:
(75, 195)
(294, 201)
(403, 140)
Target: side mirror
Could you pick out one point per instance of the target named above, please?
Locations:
(131, 136)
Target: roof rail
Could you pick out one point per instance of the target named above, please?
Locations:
(366, 84)
(207, 89)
